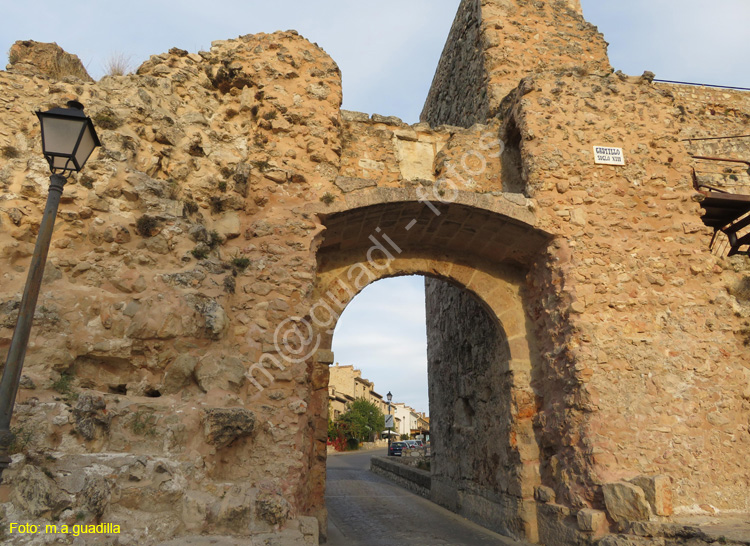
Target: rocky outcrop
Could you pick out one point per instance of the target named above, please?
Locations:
(32, 58)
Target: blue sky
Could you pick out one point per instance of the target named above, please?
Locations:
(387, 52)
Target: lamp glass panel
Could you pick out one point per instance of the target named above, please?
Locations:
(61, 162)
(61, 135)
(86, 146)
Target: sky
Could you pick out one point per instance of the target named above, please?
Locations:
(387, 51)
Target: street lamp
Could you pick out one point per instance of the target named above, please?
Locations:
(68, 139)
(389, 397)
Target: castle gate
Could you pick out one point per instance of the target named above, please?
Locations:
(474, 244)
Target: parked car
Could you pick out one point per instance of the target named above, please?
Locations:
(414, 444)
(396, 448)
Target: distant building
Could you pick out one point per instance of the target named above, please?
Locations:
(346, 385)
(409, 418)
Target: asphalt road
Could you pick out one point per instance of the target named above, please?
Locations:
(367, 510)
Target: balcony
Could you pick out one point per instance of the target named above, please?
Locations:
(724, 193)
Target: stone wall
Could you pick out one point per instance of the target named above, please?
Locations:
(474, 465)
(644, 330)
(492, 45)
(458, 95)
(415, 480)
(524, 37)
(177, 252)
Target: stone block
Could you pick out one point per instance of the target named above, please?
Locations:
(544, 494)
(347, 183)
(388, 120)
(658, 491)
(349, 115)
(225, 373)
(222, 426)
(324, 356)
(592, 521)
(37, 494)
(179, 374)
(228, 224)
(415, 159)
(626, 502)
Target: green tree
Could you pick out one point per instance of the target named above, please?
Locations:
(362, 420)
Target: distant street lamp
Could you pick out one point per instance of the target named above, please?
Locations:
(389, 397)
(68, 139)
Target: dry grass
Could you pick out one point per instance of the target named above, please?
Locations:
(118, 64)
(67, 65)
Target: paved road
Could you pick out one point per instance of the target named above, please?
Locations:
(367, 510)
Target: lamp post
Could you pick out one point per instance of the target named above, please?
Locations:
(68, 139)
(389, 397)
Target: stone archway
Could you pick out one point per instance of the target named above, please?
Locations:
(473, 242)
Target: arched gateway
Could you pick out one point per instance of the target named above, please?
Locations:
(474, 242)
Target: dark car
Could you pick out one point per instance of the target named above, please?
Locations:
(396, 448)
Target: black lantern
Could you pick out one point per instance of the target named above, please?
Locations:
(389, 396)
(68, 137)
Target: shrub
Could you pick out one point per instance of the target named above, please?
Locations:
(22, 436)
(9, 152)
(64, 384)
(216, 204)
(106, 119)
(199, 253)
(240, 263)
(262, 166)
(145, 225)
(214, 238)
(144, 423)
(328, 198)
(191, 206)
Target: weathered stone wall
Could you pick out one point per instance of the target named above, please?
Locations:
(645, 333)
(642, 332)
(186, 242)
(177, 252)
(523, 37)
(474, 466)
(492, 45)
(386, 153)
(458, 95)
(415, 480)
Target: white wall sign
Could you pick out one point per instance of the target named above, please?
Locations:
(604, 155)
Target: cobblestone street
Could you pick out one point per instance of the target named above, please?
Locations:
(367, 510)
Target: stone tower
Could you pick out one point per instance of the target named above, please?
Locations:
(494, 45)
